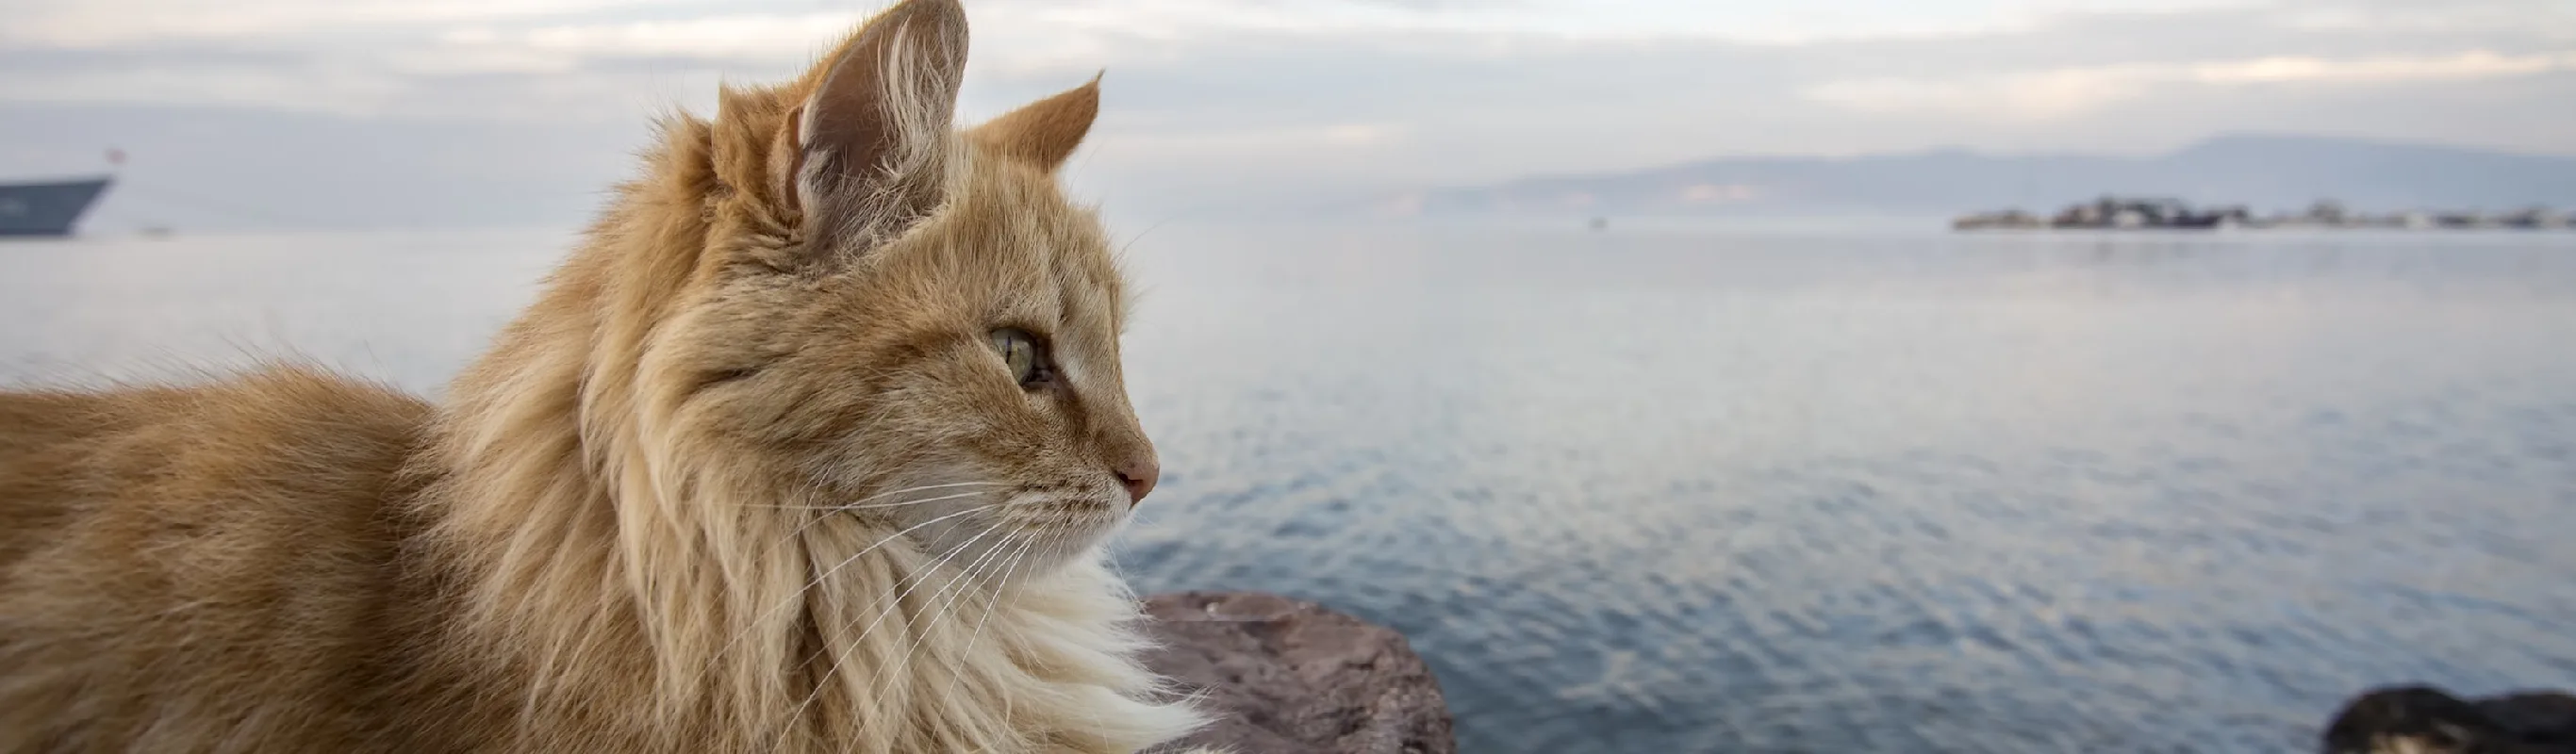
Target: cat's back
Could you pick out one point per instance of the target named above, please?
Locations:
(59, 453)
(186, 565)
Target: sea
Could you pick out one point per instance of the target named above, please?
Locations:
(1856, 485)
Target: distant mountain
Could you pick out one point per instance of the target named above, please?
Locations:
(2265, 172)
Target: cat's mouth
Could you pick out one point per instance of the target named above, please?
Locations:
(984, 526)
(1066, 513)
(1067, 506)
(1062, 524)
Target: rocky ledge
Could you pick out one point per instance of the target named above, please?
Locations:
(2427, 720)
(1285, 675)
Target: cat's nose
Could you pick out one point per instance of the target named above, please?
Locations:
(1139, 475)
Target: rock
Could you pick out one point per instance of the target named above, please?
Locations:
(1285, 675)
(2426, 720)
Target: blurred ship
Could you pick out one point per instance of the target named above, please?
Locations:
(47, 208)
(51, 208)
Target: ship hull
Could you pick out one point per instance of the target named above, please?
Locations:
(49, 208)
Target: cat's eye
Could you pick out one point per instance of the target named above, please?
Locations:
(1026, 357)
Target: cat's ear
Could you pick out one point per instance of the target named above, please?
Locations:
(874, 139)
(1045, 132)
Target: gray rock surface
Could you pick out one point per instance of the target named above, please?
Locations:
(2427, 720)
(1285, 675)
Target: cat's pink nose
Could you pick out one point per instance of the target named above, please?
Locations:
(1139, 475)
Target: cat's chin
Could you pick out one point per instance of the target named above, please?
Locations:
(1063, 532)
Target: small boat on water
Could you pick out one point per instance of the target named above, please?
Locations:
(47, 208)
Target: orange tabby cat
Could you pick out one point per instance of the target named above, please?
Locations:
(810, 448)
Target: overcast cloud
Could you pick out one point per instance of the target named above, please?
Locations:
(419, 112)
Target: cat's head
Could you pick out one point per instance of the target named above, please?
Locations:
(899, 318)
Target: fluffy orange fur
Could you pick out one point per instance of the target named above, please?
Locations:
(759, 471)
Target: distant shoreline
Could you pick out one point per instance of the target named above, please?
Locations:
(2119, 213)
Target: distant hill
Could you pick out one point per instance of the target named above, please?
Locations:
(2265, 172)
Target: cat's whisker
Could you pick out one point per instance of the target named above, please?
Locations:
(791, 535)
(909, 502)
(917, 579)
(861, 502)
(839, 508)
(923, 488)
(834, 661)
(964, 577)
(1131, 242)
(993, 601)
(827, 574)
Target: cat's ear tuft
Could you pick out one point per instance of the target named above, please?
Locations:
(874, 138)
(1045, 132)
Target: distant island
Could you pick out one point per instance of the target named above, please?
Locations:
(2256, 170)
(2119, 213)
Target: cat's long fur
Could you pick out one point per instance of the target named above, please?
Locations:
(638, 523)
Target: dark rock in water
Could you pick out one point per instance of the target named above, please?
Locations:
(2426, 720)
(1290, 676)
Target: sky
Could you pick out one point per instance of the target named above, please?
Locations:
(406, 113)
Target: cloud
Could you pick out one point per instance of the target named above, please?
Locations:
(1252, 101)
(227, 85)
(2475, 64)
(2066, 92)
(2547, 18)
(1188, 148)
(106, 23)
(737, 38)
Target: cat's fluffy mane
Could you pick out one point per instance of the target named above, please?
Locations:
(591, 546)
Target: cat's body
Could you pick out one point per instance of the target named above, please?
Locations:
(811, 448)
(157, 598)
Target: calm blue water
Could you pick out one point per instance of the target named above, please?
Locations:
(1732, 487)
